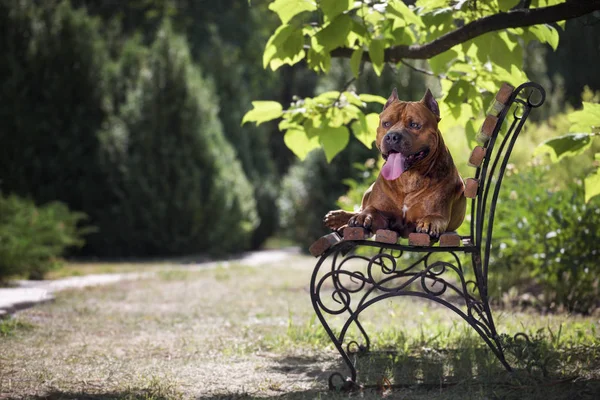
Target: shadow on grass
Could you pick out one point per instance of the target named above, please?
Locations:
(466, 373)
(586, 390)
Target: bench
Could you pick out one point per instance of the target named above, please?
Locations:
(353, 273)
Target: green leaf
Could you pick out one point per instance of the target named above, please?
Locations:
(545, 34)
(285, 44)
(506, 5)
(319, 60)
(365, 129)
(471, 131)
(333, 8)
(263, 111)
(333, 140)
(592, 183)
(297, 141)
(290, 51)
(288, 9)
(432, 4)
(371, 98)
(498, 48)
(355, 61)
(376, 53)
(565, 146)
(335, 34)
(439, 63)
(586, 120)
(401, 10)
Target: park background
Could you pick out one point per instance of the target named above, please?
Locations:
(129, 115)
(122, 141)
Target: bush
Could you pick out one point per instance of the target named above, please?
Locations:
(32, 238)
(179, 185)
(547, 237)
(312, 188)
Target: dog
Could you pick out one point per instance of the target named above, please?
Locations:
(419, 188)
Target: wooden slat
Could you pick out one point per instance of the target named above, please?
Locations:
(487, 129)
(449, 239)
(386, 236)
(419, 239)
(323, 244)
(500, 100)
(477, 156)
(355, 233)
(471, 188)
(504, 93)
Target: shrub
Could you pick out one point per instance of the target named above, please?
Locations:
(548, 237)
(312, 188)
(179, 185)
(33, 238)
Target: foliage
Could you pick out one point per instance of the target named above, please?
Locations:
(33, 238)
(168, 153)
(54, 73)
(11, 326)
(230, 52)
(586, 123)
(314, 31)
(549, 235)
(310, 190)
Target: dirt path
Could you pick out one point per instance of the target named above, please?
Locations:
(192, 331)
(27, 294)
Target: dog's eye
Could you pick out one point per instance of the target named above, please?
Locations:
(415, 125)
(387, 124)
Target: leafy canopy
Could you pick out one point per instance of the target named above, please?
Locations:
(315, 31)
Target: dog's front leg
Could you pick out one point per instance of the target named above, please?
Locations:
(370, 219)
(337, 219)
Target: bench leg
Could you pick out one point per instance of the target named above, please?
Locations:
(343, 290)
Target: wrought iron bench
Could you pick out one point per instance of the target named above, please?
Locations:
(346, 281)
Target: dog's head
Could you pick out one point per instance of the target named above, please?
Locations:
(407, 133)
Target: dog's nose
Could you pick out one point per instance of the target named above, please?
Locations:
(393, 137)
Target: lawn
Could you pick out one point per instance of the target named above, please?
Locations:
(239, 331)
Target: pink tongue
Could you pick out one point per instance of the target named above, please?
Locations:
(393, 167)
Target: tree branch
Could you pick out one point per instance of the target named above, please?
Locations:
(513, 19)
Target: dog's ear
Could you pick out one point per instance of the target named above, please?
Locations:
(393, 97)
(431, 104)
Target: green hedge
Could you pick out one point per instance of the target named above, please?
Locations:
(33, 238)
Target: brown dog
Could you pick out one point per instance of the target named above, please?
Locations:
(419, 188)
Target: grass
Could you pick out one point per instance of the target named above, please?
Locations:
(89, 268)
(12, 326)
(235, 331)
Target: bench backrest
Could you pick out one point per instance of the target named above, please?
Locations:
(498, 145)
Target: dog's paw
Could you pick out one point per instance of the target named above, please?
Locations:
(432, 225)
(363, 219)
(334, 220)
